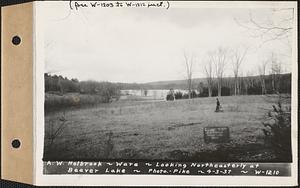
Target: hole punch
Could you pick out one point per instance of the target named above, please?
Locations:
(16, 40)
(16, 143)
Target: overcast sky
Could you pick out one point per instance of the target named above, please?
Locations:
(144, 45)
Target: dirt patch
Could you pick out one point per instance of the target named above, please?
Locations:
(177, 125)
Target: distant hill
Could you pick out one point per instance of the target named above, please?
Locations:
(181, 84)
(176, 84)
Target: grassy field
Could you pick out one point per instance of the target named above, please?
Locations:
(162, 130)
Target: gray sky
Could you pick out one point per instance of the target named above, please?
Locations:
(144, 45)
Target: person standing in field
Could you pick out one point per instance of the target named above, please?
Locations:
(218, 105)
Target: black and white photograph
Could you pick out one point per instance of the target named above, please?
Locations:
(166, 81)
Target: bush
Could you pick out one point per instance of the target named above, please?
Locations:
(108, 91)
(277, 131)
(193, 94)
(178, 95)
(170, 97)
(185, 96)
(88, 87)
(204, 93)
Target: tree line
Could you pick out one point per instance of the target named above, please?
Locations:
(61, 85)
(250, 85)
(215, 63)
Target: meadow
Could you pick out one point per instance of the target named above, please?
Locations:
(160, 130)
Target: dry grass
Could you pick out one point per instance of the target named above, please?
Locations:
(54, 102)
(155, 130)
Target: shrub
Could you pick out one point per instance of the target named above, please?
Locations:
(88, 87)
(170, 97)
(185, 96)
(178, 95)
(204, 93)
(193, 94)
(108, 91)
(277, 131)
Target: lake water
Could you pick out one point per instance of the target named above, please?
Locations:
(158, 94)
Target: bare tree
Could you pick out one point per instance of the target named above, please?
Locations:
(278, 26)
(275, 73)
(208, 68)
(189, 62)
(262, 75)
(219, 60)
(248, 81)
(200, 88)
(237, 59)
(240, 83)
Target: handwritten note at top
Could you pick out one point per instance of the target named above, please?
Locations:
(77, 5)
